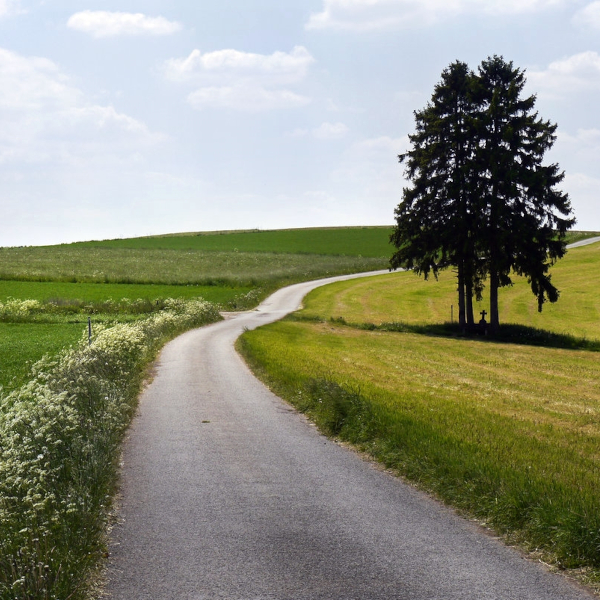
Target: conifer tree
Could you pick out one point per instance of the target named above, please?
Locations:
(481, 199)
(434, 220)
(525, 218)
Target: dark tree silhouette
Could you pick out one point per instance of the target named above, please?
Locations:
(434, 220)
(481, 200)
(525, 216)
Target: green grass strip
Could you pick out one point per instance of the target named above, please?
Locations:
(62, 294)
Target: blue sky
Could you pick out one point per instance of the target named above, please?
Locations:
(134, 118)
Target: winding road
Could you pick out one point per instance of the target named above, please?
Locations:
(228, 493)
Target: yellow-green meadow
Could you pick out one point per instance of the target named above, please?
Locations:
(406, 298)
(507, 432)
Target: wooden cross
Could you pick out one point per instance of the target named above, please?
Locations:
(483, 313)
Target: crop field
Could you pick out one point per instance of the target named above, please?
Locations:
(23, 344)
(165, 266)
(506, 432)
(349, 241)
(62, 293)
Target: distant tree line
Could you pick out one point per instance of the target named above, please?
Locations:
(481, 201)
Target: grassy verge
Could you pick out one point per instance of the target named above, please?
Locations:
(59, 447)
(506, 430)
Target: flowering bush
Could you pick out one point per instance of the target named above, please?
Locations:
(59, 447)
(247, 300)
(15, 310)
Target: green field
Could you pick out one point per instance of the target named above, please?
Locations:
(349, 241)
(234, 270)
(471, 420)
(406, 298)
(506, 432)
(266, 258)
(438, 412)
(23, 344)
(57, 291)
(175, 267)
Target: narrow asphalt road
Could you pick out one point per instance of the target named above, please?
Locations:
(587, 242)
(227, 493)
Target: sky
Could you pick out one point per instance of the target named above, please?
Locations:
(128, 118)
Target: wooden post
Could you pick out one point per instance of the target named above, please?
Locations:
(89, 331)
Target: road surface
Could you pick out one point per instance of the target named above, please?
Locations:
(587, 242)
(228, 493)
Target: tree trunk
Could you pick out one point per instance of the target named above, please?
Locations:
(469, 303)
(494, 316)
(461, 295)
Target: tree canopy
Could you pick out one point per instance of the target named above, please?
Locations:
(481, 199)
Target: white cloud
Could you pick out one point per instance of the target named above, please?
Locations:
(587, 140)
(101, 24)
(45, 119)
(577, 152)
(383, 146)
(9, 7)
(371, 166)
(280, 67)
(245, 81)
(325, 131)
(33, 83)
(589, 16)
(330, 131)
(368, 15)
(245, 97)
(567, 76)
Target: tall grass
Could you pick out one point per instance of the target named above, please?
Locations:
(59, 447)
(166, 266)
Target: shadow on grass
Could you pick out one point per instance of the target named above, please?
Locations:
(507, 334)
